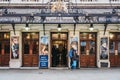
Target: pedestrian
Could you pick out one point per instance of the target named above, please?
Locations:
(74, 59)
(71, 56)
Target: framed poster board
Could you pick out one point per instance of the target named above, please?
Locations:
(44, 45)
(43, 57)
(104, 48)
(14, 47)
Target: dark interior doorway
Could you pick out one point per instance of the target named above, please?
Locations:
(59, 42)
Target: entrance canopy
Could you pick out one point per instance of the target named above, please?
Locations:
(59, 12)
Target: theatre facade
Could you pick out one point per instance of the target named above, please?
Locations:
(40, 34)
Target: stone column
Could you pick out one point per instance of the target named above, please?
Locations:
(41, 34)
(71, 34)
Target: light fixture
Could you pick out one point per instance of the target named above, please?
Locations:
(91, 27)
(59, 27)
(111, 36)
(27, 27)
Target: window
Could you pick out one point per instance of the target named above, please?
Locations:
(62, 36)
(34, 35)
(26, 48)
(6, 35)
(119, 48)
(83, 47)
(88, 43)
(30, 42)
(112, 46)
(83, 35)
(7, 48)
(35, 49)
(92, 47)
(5, 42)
(118, 36)
(91, 36)
(114, 43)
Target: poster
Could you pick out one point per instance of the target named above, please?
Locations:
(14, 47)
(104, 48)
(44, 45)
(74, 43)
(43, 63)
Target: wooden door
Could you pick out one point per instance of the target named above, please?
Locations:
(114, 47)
(4, 48)
(30, 49)
(88, 49)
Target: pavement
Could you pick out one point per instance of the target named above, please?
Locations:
(61, 74)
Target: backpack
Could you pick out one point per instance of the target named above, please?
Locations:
(71, 53)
